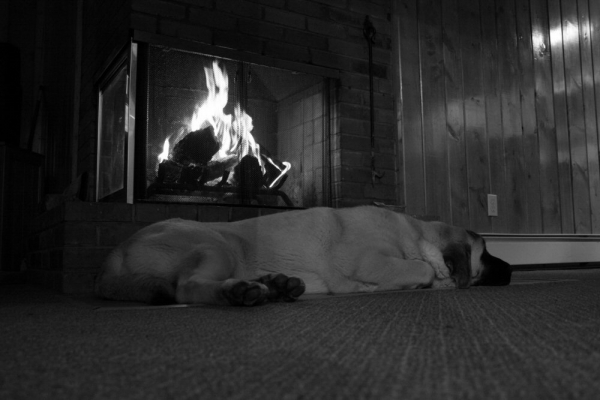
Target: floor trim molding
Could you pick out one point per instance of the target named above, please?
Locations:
(545, 250)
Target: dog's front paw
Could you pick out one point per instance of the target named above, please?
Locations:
(443, 283)
(244, 293)
(434, 257)
(441, 271)
(283, 287)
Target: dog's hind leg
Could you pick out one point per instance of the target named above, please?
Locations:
(136, 287)
(206, 276)
(117, 283)
(282, 287)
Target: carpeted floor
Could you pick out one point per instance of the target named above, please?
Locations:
(536, 339)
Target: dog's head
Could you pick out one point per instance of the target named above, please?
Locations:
(471, 264)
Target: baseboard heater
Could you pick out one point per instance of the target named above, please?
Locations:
(546, 251)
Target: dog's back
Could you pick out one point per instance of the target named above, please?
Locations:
(330, 250)
(321, 246)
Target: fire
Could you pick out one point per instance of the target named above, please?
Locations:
(165, 153)
(233, 132)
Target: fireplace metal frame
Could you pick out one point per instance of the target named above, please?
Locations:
(136, 189)
(127, 58)
(196, 47)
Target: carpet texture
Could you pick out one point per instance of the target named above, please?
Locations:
(536, 339)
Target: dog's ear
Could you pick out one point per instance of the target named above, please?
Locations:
(457, 257)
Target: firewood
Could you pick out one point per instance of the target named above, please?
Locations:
(196, 148)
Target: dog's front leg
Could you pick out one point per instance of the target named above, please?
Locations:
(435, 258)
(380, 272)
(282, 287)
(443, 283)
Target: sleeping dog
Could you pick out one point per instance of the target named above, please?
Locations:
(281, 256)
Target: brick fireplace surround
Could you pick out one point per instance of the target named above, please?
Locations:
(70, 241)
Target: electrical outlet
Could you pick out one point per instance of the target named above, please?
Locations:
(492, 205)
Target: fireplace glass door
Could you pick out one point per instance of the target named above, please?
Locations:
(225, 131)
(112, 134)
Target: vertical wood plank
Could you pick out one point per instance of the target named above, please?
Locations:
(516, 193)
(594, 10)
(590, 121)
(397, 92)
(528, 118)
(457, 163)
(576, 117)
(493, 112)
(560, 117)
(434, 111)
(529, 75)
(411, 117)
(544, 106)
(475, 132)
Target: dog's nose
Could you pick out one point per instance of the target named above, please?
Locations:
(463, 282)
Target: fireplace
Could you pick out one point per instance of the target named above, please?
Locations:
(200, 128)
(301, 74)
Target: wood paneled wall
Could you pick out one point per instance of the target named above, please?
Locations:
(501, 97)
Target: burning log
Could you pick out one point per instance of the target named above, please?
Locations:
(248, 175)
(168, 172)
(191, 175)
(218, 169)
(208, 156)
(188, 162)
(196, 148)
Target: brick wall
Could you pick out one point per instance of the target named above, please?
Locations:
(300, 133)
(327, 33)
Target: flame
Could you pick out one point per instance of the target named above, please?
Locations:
(165, 153)
(233, 132)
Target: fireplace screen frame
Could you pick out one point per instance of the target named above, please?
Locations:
(121, 133)
(134, 58)
(141, 190)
